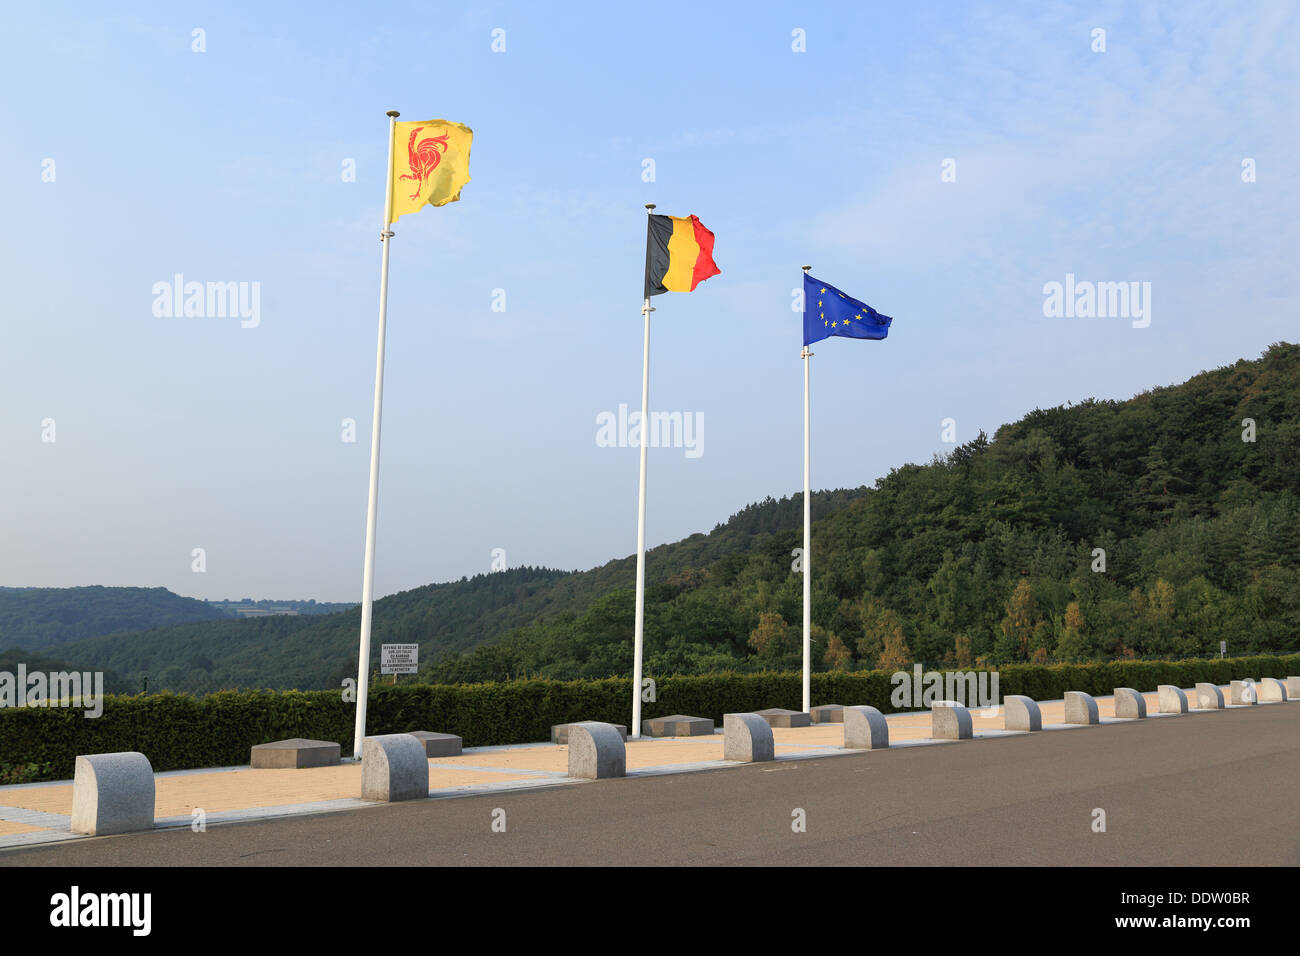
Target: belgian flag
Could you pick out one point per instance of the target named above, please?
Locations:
(678, 254)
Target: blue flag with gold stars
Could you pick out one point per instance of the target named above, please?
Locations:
(827, 311)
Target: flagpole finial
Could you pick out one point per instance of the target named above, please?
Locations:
(392, 113)
(649, 206)
(806, 268)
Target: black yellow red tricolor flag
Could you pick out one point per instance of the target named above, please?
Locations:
(678, 254)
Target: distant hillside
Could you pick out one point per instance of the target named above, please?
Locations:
(1156, 526)
(39, 618)
(250, 608)
(319, 651)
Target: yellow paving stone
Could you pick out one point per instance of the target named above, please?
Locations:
(47, 799)
(243, 789)
(818, 735)
(909, 727)
(554, 758)
(660, 753)
(216, 792)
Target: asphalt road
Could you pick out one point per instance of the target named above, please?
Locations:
(1206, 789)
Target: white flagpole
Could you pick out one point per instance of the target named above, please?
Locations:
(372, 507)
(635, 729)
(807, 536)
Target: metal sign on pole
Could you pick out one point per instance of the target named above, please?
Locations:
(399, 658)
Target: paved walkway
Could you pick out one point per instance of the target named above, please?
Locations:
(41, 812)
(1209, 790)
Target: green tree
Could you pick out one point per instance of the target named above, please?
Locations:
(1018, 625)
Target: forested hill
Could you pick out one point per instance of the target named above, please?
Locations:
(319, 651)
(39, 618)
(1155, 526)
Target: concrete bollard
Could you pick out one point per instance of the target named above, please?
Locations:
(1080, 708)
(1129, 703)
(112, 793)
(747, 738)
(950, 722)
(294, 754)
(1243, 692)
(781, 717)
(1209, 697)
(1272, 689)
(1293, 688)
(1021, 713)
(828, 714)
(1172, 699)
(596, 751)
(560, 732)
(394, 767)
(438, 745)
(677, 725)
(865, 728)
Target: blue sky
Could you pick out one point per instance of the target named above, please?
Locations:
(182, 433)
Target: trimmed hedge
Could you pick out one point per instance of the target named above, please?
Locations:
(180, 732)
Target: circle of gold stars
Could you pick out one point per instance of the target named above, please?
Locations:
(822, 315)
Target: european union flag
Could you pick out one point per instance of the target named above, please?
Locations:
(827, 311)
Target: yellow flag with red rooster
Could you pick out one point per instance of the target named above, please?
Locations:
(430, 164)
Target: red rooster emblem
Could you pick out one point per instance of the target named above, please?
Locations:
(423, 158)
